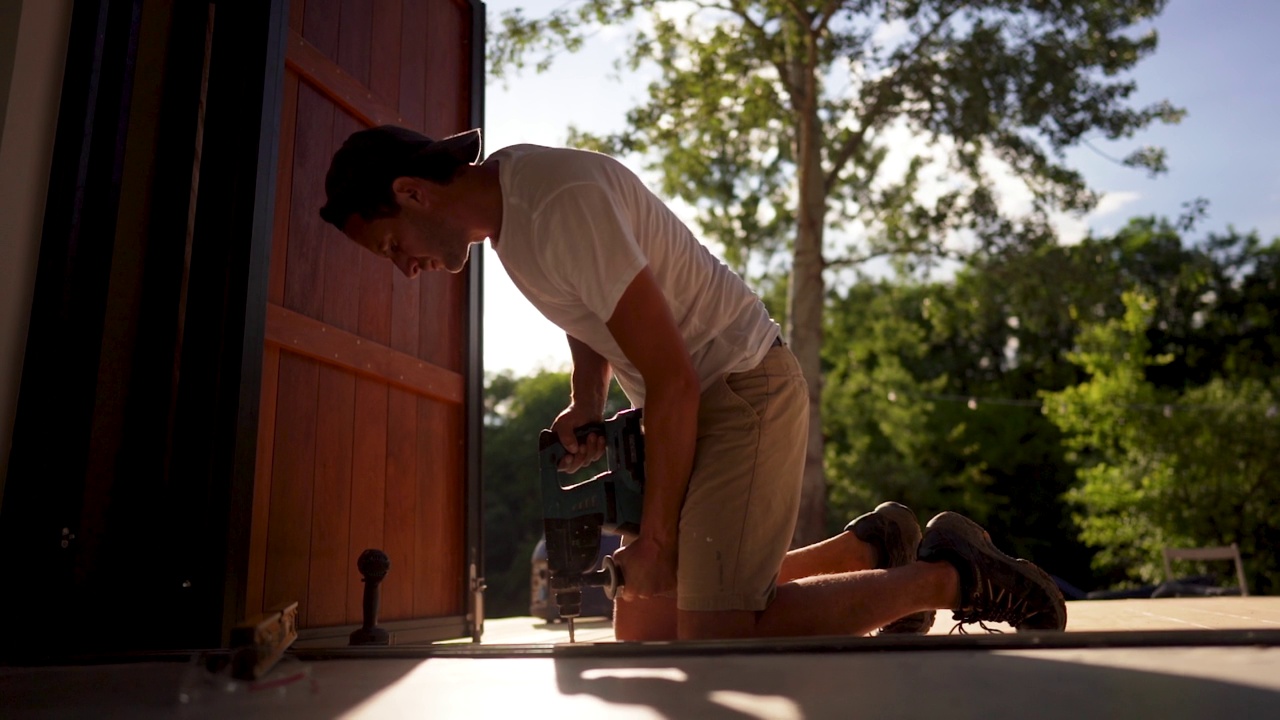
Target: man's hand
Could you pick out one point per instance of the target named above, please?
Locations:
(578, 454)
(648, 568)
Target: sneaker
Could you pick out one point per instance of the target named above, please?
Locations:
(993, 586)
(893, 531)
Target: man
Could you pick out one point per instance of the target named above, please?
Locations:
(640, 299)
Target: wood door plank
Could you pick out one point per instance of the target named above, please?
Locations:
(455, 500)
(427, 523)
(292, 471)
(368, 484)
(401, 504)
(404, 314)
(320, 26)
(284, 190)
(375, 298)
(413, 65)
(330, 502)
(267, 406)
(384, 61)
(304, 277)
(438, 585)
(448, 55)
(341, 284)
(354, 37)
(442, 311)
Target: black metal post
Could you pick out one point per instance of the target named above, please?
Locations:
(373, 566)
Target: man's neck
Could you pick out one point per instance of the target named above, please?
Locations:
(485, 191)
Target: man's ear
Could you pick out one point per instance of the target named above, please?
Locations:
(409, 190)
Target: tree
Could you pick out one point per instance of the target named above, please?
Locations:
(933, 389)
(1163, 468)
(927, 403)
(774, 120)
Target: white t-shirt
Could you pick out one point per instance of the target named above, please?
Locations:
(578, 226)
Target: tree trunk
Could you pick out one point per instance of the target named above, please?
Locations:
(804, 316)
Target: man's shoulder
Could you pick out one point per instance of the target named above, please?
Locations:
(559, 159)
(541, 174)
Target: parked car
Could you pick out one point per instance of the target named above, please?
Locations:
(594, 602)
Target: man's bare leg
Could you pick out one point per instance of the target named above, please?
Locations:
(854, 603)
(851, 603)
(844, 553)
(655, 619)
(1000, 588)
(884, 538)
(838, 554)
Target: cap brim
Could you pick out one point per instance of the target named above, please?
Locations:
(465, 145)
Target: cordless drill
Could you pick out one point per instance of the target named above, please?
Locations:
(574, 516)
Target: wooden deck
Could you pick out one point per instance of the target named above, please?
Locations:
(1221, 613)
(1131, 659)
(1218, 613)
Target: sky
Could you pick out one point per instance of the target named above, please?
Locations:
(1215, 59)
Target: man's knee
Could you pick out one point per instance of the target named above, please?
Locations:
(648, 620)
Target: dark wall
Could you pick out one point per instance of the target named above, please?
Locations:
(131, 469)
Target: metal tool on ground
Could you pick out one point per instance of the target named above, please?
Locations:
(575, 515)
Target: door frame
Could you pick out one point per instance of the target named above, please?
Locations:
(475, 364)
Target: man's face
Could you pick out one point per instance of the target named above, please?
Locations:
(423, 235)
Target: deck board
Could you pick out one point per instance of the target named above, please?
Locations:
(1222, 613)
(1202, 613)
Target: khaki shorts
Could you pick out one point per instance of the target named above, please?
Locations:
(744, 494)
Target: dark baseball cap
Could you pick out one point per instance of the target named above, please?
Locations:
(361, 172)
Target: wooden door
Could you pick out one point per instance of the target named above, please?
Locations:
(362, 439)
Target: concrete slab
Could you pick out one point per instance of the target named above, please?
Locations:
(1051, 684)
(1226, 665)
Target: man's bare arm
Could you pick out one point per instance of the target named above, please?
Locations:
(591, 377)
(589, 390)
(646, 331)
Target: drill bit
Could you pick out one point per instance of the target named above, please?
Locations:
(570, 629)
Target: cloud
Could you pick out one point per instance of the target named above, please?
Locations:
(1073, 228)
(1112, 202)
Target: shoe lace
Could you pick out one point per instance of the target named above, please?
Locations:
(1000, 606)
(959, 628)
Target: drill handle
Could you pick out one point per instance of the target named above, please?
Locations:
(547, 438)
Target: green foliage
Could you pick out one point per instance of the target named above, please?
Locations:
(516, 410)
(909, 370)
(878, 429)
(965, 362)
(1161, 468)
